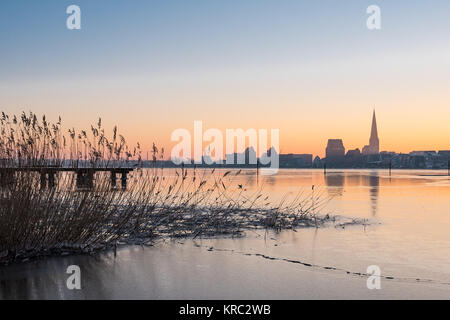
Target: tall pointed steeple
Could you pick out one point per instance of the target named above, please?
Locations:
(374, 132)
(374, 142)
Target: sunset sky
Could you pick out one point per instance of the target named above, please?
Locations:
(309, 68)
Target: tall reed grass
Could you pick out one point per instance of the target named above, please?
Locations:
(37, 221)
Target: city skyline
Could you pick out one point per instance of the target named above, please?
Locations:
(336, 156)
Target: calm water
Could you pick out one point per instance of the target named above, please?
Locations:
(409, 239)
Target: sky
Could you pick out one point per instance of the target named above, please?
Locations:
(311, 69)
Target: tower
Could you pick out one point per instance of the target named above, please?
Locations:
(374, 142)
(335, 148)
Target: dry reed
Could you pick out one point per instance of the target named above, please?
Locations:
(64, 219)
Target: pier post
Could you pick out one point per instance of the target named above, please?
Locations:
(51, 179)
(324, 168)
(80, 179)
(7, 177)
(11, 177)
(124, 179)
(43, 180)
(113, 179)
(89, 179)
(257, 172)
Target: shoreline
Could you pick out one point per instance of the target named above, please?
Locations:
(12, 257)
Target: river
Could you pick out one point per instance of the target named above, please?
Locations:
(408, 239)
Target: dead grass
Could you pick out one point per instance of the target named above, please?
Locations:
(65, 219)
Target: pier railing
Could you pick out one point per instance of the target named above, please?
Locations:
(84, 176)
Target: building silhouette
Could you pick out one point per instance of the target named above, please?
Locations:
(248, 157)
(291, 160)
(374, 142)
(335, 148)
(356, 153)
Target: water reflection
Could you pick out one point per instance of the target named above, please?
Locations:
(193, 272)
(46, 279)
(374, 183)
(337, 181)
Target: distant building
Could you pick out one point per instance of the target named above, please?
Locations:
(386, 157)
(417, 162)
(317, 163)
(271, 151)
(374, 142)
(388, 153)
(295, 160)
(401, 161)
(306, 159)
(353, 153)
(335, 148)
(432, 159)
(422, 153)
(445, 153)
(248, 157)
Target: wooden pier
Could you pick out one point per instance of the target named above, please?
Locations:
(85, 176)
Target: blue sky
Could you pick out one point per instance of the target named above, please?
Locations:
(193, 59)
(145, 36)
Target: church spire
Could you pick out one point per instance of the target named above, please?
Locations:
(374, 142)
(374, 132)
